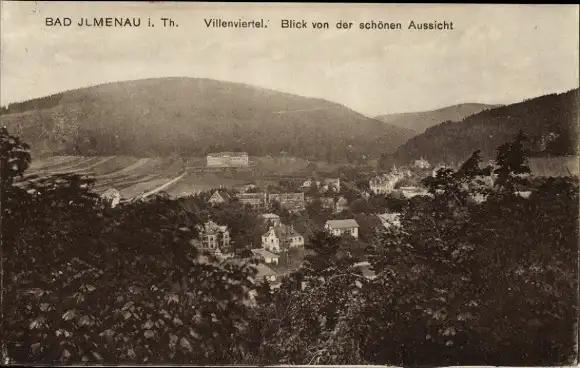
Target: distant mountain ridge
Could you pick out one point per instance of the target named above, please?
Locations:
(194, 116)
(422, 120)
(550, 122)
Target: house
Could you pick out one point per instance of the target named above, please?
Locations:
(212, 237)
(390, 220)
(266, 256)
(281, 238)
(255, 200)
(410, 192)
(111, 197)
(422, 163)
(271, 218)
(227, 159)
(341, 205)
(293, 202)
(219, 197)
(342, 227)
(265, 273)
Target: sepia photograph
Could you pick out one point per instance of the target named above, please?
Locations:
(275, 184)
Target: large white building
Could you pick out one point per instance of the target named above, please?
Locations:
(342, 227)
(281, 238)
(228, 159)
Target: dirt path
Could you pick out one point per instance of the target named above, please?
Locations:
(161, 187)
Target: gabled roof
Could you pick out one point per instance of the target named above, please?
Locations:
(225, 196)
(342, 224)
(389, 216)
(332, 180)
(283, 231)
(270, 216)
(264, 270)
(264, 253)
(221, 154)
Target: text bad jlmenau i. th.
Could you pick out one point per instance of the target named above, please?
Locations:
(292, 24)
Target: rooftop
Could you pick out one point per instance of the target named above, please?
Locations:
(251, 195)
(389, 216)
(342, 224)
(264, 270)
(222, 194)
(264, 253)
(222, 154)
(283, 231)
(270, 216)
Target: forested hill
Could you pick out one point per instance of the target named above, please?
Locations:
(420, 121)
(550, 122)
(193, 116)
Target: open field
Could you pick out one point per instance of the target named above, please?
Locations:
(137, 177)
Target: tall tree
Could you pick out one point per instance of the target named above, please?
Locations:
(512, 164)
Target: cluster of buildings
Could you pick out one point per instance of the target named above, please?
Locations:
(323, 185)
(293, 202)
(385, 184)
(335, 205)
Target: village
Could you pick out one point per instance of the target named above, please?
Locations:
(283, 217)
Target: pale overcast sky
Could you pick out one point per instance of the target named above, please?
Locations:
(495, 54)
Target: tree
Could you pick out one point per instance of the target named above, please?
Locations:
(14, 158)
(512, 164)
(93, 284)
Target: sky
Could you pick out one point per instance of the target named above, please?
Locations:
(495, 54)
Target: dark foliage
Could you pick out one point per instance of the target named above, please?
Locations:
(550, 122)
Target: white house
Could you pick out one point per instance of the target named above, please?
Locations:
(265, 273)
(342, 227)
(410, 192)
(341, 205)
(219, 197)
(266, 256)
(280, 238)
